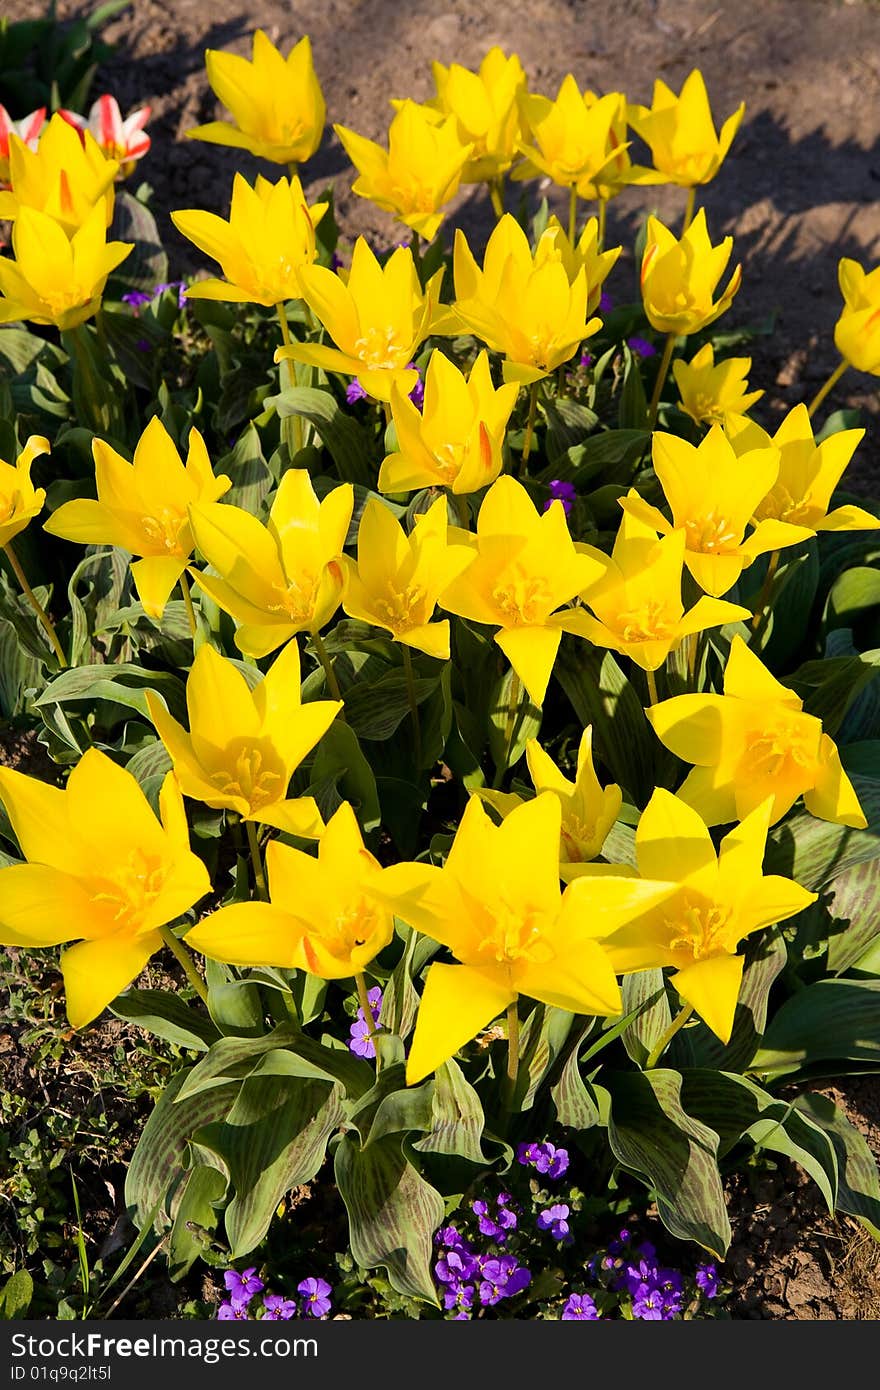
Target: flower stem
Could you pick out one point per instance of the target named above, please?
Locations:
(512, 1076)
(188, 604)
(603, 209)
(413, 705)
(496, 193)
(652, 687)
(679, 1021)
(761, 605)
(44, 619)
(689, 208)
(291, 425)
(513, 711)
(415, 247)
(829, 385)
(572, 213)
(176, 946)
(530, 426)
(364, 1001)
(292, 169)
(257, 860)
(662, 370)
(691, 643)
(326, 662)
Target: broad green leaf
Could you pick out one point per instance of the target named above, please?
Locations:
(513, 720)
(392, 1212)
(16, 1296)
(858, 1183)
(568, 423)
(645, 991)
(197, 1206)
(851, 901)
(830, 1021)
(348, 443)
(376, 710)
(234, 1005)
(341, 772)
(814, 851)
(457, 1120)
(234, 1058)
(247, 467)
(392, 1107)
(166, 1015)
(573, 1096)
(542, 1038)
(124, 684)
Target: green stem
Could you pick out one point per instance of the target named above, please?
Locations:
(325, 660)
(530, 426)
(662, 370)
(257, 860)
(652, 687)
(188, 604)
(292, 169)
(679, 1021)
(413, 705)
(572, 213)
(512, 1076)
(764, 595)
(44, 619)
(186, 961)
(364, 1001)
(689, 208)
(690, 650)
(603, 209)
(291, 425)
(510, 725)
(496, 193)
(829, 385)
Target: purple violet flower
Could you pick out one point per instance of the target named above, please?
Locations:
(359, 1040)
(136, 298)
(580, 1308)
(706, 1278)
(355, 392)
(566, 493)
(555, 1220)
(641, 347)
(502, 1278)
(417, 394)
(315, 1297)
(242, 1287)
(606, 302)
(647, 1304)
(228, 1312)
(277, 1308)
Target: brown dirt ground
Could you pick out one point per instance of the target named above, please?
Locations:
(799, 191)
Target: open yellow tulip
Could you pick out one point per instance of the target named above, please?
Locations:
(681, 132)
(53, 279)
(65, 177)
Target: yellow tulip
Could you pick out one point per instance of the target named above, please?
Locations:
(244, 744)
(718, 901)
(585, 255)
(101, 870)
(20, 501)
(498, 907)
(681, 133)
(378, 319)
(680, 276)
(578, 140)
(485, 105)
(589, 810)
(279, 579)
(637, 600)
(53, 279)
(66, 176)
(456, 439)
(519, 305)
(526, 567)
(754, 742)
(419, 172)
(322, 915)
(398, 578)
(713, 395)
(857, 331)
(713, 495)
(808, 473)
(268, 238)
(276, 102)
(142, 508)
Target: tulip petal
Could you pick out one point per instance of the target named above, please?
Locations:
(672, 841)
(712, 987)
(582, 981)
(299, 816)
(833, 797)
(247, 934)
(96, 971)
(531, 652)
(691, 726)
(154, 578)
(458, 1001)
(41, 906)
(39, 816)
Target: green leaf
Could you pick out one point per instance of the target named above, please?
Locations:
(147, 265)
(340, 771)
(234, 1005)
(651, 1134)
(513, 720)
(273, 1138)
(573, 1097)
(392, 1212)
(853, 598)
(16, 1296)
(832, 1020)
(645, 991)
(457, 1120)
(633, 409)
(392, 1107)
(814, 851)
(348, 443)
(233, 1058)
(858, 1182)
(376, 710)
(850, 900)
(245, 464)
(542, 1038)
(200, 1195)
(567, 423)
(167, 1016)
(123, 684)
(793, 594)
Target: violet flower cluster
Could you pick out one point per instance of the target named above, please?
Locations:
(248, 1299)
(472, 1279)
(359, 1040)
(545, 1158)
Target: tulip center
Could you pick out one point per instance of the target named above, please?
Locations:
(541, 345)
(448, 459)
(580, 839)
(297, 600)
(511, 935)
(403, 609)
(701, 926)
(252, 773)
(649, 622)
(413, 197)
(381, 349)
(351, 929)
(707, 407)
(712, 534)
(127, 896)
(163, 531)
(784, 751)
(781, 505)
(524, 601)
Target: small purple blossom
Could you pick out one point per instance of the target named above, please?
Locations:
(136, 298)
(647, 1304)
(580, 1308)
(641, 347)
(228, 1312)
(355, 392)
(497, 1225)
(242, 1287)
(706, 1279)
(546, 1158)
(417, 394)
(179, 285)
(561, 491)
(359, 1040)
(555, 1220)
(277, 1308)
(606, 302)
(315, 1297)
(502, 1278)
